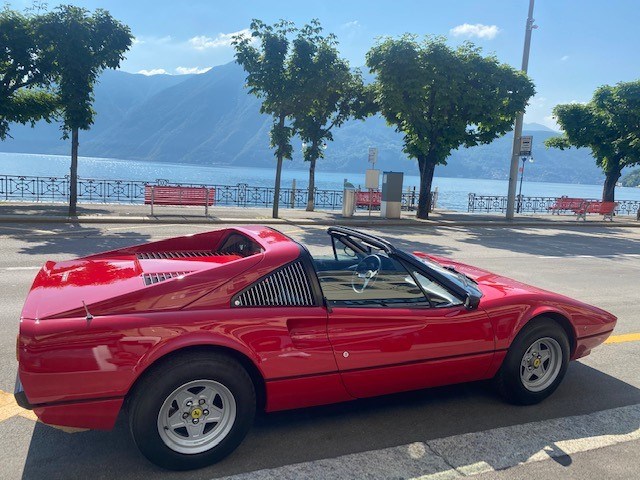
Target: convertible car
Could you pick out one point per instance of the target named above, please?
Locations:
(190, 336)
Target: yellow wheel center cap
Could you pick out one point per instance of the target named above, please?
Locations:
(196, 413)
(536, 363)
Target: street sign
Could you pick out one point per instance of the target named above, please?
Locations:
(525, 145)
(373, 155)
(372, 179)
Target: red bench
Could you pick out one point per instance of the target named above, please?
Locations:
(567, 204)
(366, 199)
(606, 209)
(176, 195)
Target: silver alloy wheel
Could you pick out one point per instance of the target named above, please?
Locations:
(196, 416)
(541, 364)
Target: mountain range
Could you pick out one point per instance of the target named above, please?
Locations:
(211, 119)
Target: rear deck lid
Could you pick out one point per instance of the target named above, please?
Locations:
(64, 286)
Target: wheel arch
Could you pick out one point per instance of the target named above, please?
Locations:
(254, 372)
(559, 318)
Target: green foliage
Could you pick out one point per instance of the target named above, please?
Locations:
(81, 46)
(609, 125)
(26, 71)
(328, 92)
(264, 56)
(302, 83)
(631, 179)
(442, 98)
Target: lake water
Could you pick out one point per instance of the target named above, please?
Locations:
(453, 192)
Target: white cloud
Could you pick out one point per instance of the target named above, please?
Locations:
(202, 42)
(351, 24)
(477, 30)
(154, 71)
(579, 102)
(189, 70)
(139, 40)
(564, 58)
(538, 101)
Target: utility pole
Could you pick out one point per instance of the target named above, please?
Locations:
(517, 131)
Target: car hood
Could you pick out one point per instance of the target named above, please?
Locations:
(490, 284)
(115, 282)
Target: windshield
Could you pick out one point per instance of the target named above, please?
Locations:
(452, 274)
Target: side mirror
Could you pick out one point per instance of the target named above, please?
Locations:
(471, 302)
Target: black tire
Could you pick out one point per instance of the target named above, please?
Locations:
(508, 380)
(152, 391)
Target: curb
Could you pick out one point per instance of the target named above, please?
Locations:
(308, 221)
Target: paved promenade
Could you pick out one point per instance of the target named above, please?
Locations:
(11, 212)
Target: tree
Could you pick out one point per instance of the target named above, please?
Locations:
(269, 78)
(25, 71)
(609, 125)
(82, 46)
(328, 92)
(442, 98)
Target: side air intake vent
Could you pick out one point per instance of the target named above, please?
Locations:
(182, 254)
(287, 287)
(151, 278)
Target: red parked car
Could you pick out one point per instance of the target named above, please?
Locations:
(196, 333)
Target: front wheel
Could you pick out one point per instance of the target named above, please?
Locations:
(535, 364)
(192, 410)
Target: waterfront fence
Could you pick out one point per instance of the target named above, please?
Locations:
(56, 189)
(536, 205)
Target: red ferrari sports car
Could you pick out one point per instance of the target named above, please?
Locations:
(194, 334)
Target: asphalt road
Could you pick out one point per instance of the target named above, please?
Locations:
(599, 265)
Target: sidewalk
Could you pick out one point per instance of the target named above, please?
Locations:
(22, 212)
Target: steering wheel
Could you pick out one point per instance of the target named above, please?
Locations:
(365, 273)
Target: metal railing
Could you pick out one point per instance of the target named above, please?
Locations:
(498, 204)
(56, 189)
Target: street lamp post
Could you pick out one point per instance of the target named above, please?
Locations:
(517, 131)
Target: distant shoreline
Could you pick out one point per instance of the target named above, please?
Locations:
(319, 169)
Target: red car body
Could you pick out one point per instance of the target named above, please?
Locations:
(91, 327)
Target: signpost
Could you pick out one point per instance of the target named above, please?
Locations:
(372, 176)
(526, 142)
(372, 179)
(373, 156)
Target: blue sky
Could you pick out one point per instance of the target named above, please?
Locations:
(578, 46)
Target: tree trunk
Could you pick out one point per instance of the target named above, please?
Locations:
(312, 185)
(276, 189)
(73, 177)
(427, 168)
(608, 191)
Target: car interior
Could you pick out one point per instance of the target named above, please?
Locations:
(357, 274)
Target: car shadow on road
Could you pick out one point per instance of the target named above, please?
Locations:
(284, 438)
(69, 238)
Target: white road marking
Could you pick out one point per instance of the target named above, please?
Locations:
(139, 227)
(472, 453)
(32, 230)
(20, 268)
(616, 255)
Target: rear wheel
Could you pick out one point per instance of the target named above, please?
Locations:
(192, 410)
(535, 364)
